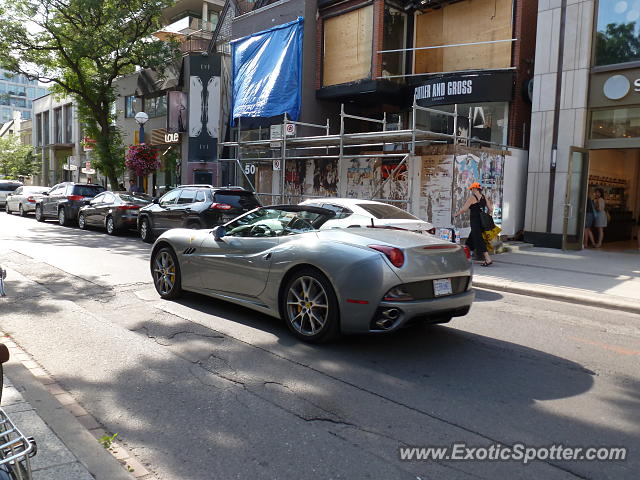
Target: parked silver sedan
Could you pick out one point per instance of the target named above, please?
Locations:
(278, 261)
(23, 199)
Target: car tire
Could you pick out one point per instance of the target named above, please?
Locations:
(309, 306)
(82, 222)
(110, 226)
(7, 209)
(194, 225)
(39, 214)
(165, 271)
(21, 211)
(145, 230)
(62, 217)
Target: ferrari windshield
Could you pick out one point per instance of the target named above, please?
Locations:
(276, 222)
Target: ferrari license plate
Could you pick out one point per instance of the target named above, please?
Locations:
(442, 287)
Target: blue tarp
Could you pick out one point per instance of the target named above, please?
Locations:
(267, 72)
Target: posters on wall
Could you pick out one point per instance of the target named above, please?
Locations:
(397, 188)
(485, 168)
(313, 177)
(435, 189)
(362, 175)
(177, 112)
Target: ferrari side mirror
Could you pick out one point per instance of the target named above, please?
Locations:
(218, 232)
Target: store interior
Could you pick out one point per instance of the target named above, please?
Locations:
(617, 172)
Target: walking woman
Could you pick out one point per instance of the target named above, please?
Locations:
(600, 215)
(475, 204)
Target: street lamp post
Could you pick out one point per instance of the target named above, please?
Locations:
(141, 118)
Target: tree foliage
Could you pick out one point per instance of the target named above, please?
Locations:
(81, 47)
(17, 160)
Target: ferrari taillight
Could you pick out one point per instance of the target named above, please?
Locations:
(467, 252)
(129, 207)
(31, 199)
(74, 198)
(395, 255)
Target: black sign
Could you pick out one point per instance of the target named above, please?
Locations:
(465, 88)
(202, 76)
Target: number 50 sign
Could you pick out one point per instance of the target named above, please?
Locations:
(250, 169)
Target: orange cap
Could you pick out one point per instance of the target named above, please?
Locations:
(475, 185)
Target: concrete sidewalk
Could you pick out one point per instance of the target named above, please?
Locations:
(66, 449)
(588, 277)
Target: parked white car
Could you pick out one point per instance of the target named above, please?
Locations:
(7, 187)
(353, 211)
(23, 199)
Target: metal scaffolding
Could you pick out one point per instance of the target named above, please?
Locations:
(345, 146)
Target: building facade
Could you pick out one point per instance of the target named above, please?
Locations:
(472, 57)
(17, 94)
(192, 23)
(57, 141)
(585, 133)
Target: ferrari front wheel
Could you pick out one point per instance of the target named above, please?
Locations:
(310, 307)
(166, 273)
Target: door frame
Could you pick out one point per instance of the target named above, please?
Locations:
(571, 242)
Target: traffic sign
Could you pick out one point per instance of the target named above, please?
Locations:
(277, 164)
(290, 130)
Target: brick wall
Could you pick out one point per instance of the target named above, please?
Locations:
(523, 55)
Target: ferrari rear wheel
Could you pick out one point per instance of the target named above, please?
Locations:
(310, 306)
(166, 273)
(82, 221)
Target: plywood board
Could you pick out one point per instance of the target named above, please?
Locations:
(348, 41)
(465, 22)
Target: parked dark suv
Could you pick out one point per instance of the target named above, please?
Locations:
(64, 200)
(194, 206)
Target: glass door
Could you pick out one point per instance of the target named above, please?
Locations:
(575, 199)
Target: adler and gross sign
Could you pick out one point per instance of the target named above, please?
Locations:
(465, 88)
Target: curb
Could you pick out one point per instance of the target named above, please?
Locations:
(69, 421)
(593, 300)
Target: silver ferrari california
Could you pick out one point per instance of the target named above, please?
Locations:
(321, 281)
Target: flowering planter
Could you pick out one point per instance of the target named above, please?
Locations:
(142, 159)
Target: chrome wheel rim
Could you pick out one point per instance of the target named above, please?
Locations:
(81, 221)
(307, 305)
(21, 210)
(38, 213)
(109, 225)
(61, 216)
(143, 229)
(164, 272)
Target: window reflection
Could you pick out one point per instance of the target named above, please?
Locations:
(618, 32)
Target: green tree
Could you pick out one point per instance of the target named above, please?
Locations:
(81, 47)
(17, 160)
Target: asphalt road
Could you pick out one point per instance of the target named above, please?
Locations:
(200, 389)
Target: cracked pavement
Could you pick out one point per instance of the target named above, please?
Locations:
(201, 389)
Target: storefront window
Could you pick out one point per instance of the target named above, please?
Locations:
(615, 123)
(618, 35)
(488, 121)
(394, 38)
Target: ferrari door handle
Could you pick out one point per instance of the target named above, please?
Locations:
(267, 256)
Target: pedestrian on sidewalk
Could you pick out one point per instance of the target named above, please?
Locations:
(134, 187)
(475, 204)
(588, 224)
(600, 214)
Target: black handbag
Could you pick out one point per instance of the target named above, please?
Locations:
(486, 220)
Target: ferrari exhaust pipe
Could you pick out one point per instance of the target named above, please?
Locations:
(388, 318)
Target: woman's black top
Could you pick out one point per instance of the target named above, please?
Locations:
(476, 208)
